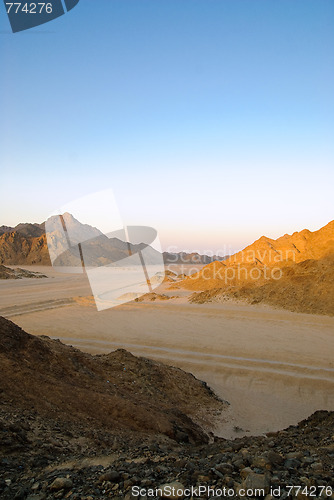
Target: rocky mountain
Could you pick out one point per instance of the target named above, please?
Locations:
(27, 244)
(26, 229)
(293, 248)
(5, 229)
(77, 232)
(295, 272)
(17, 249)
(90, 427)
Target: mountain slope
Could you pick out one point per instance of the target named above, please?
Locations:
(294, 272)
(306, 287)
(117, 392)
(264, 260)
(17, 249)
(296, 247)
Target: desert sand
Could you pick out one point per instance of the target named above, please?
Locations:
(275, 367)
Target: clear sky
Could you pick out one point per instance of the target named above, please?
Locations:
(212, 120)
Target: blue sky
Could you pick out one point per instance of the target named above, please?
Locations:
(212, 120)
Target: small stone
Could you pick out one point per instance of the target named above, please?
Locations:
(257, 482)
(244, 472)
(294, 454)
(317, 466)
(245, 454)
(203, 479)
(61, 483)
(292, 463)
(225, 468)
(239, 464)
(261, 463)
(172, 490)
(111, 476)
(275, 458)
(146, 482)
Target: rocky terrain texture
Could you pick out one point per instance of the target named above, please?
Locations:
(307, 287)
(26, 229)
(293, 272)
(17, 249)
(118, 392)
(45, 458)
(7, 273)
(86, 427)
(152, 296)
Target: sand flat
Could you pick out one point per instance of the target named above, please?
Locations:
(275, 367)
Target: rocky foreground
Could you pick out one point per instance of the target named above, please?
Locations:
(116, 426)
(7, 273)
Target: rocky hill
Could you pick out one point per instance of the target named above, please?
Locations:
(27, 244)
(7, 273)
(118, 392)
(26, 229)
(264, 253)
(89, 427)
(17, 249)
(295, 272)
(306, 287)
(293, 248)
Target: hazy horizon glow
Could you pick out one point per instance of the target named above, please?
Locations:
(211, 122)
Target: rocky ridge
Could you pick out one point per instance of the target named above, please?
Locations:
(7, 273)
(87, 427)
(26, 244)
(294, 272)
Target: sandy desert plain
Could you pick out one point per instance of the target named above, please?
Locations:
(275, 367)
